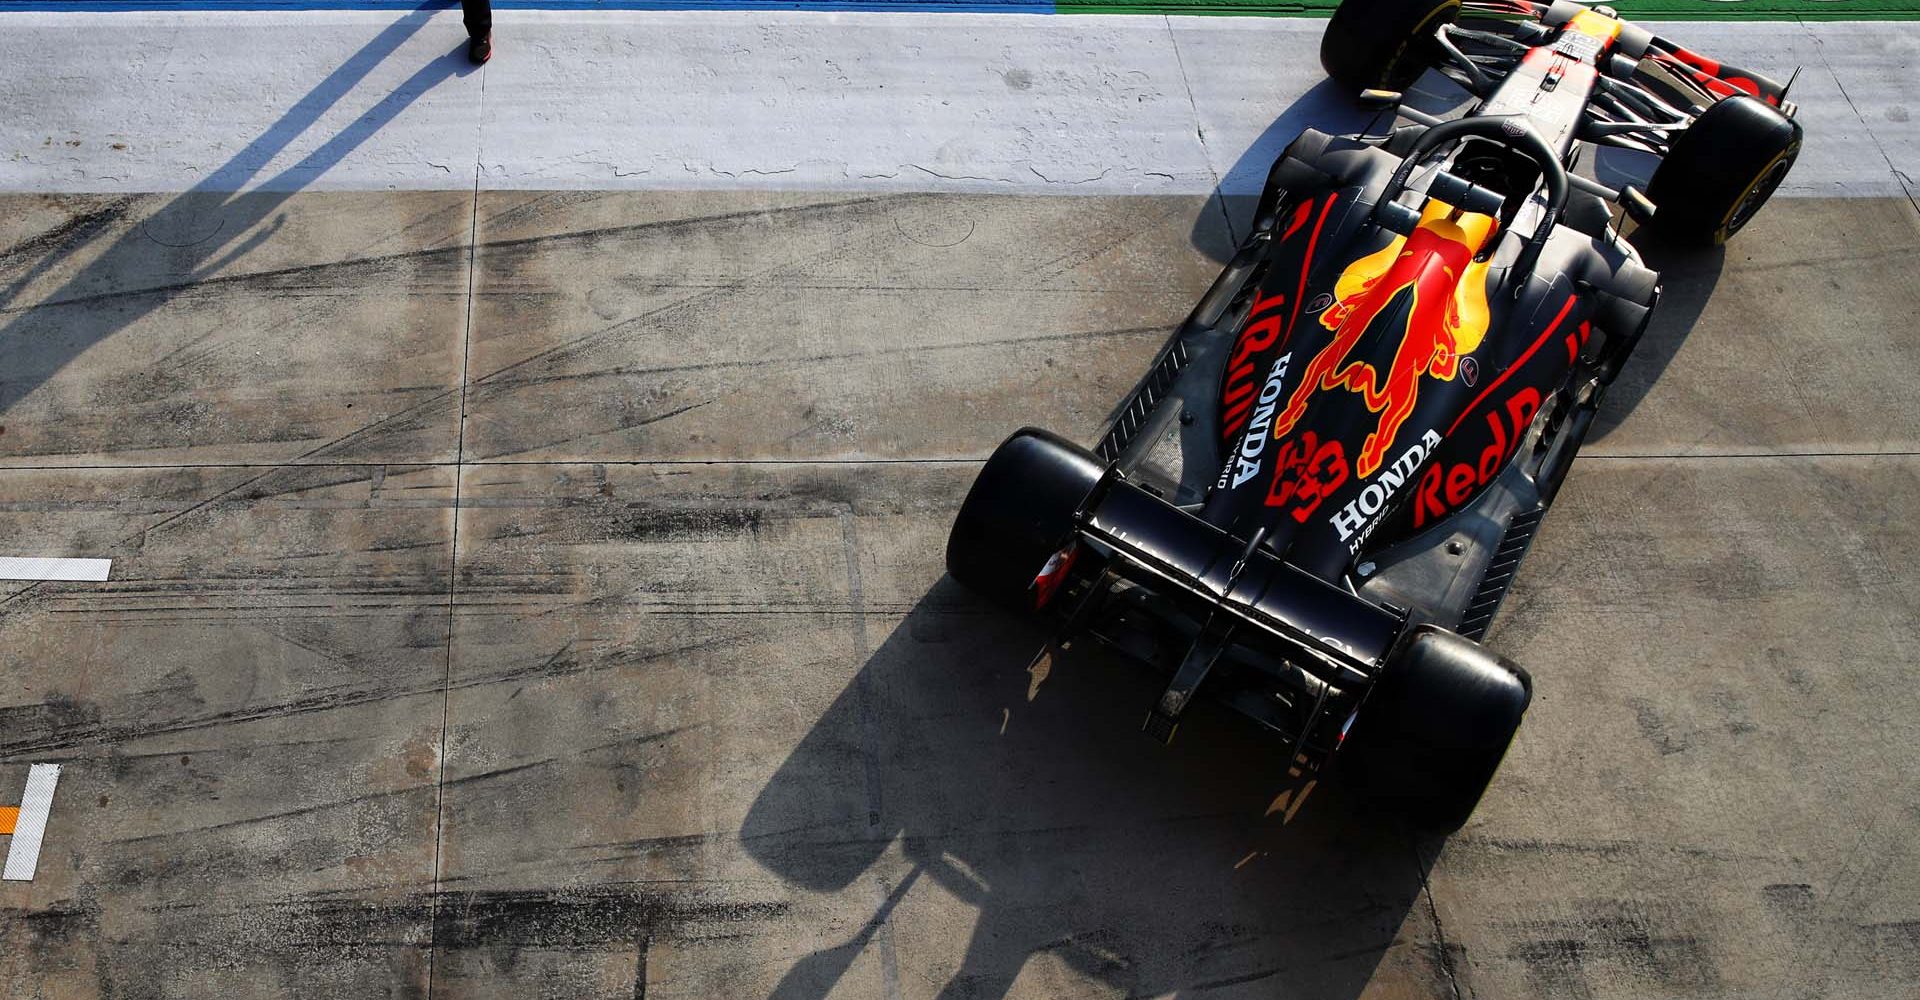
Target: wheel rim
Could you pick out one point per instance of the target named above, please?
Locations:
(1759, 191)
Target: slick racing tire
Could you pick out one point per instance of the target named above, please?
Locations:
(1431, 734)
(1383, 44)
(1019, 514)
(1721, 170)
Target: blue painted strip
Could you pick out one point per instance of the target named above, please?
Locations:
(910, 6)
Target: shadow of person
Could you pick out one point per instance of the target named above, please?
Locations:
(1022, 788)
(200, 231)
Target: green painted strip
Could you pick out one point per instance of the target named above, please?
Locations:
(1646, 10)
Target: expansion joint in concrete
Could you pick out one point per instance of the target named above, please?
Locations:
(453, 574)
(1443, 955)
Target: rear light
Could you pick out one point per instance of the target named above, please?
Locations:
(1344, 726)
(1053, 574)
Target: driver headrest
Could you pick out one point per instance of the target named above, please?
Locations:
(1463, 194)
(1445, 193)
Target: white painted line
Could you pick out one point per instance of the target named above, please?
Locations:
(23, 855)
(31, 568)
(663, 100)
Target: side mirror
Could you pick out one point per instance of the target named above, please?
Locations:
(1639, 208)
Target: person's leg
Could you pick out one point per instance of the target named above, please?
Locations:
(478, 15)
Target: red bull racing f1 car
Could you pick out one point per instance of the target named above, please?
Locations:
(1314, 502)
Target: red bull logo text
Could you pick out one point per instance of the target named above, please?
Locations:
(1447, 318)
(1447, 486)
(1266, 322)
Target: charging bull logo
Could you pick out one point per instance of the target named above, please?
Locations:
(1446, 319)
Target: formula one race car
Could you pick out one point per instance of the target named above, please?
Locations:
(1314, 502)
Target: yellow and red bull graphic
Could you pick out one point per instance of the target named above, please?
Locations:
(1446, 318)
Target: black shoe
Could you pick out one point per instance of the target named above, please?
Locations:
(480, 48)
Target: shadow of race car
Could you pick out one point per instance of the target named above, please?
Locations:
(1313, 504)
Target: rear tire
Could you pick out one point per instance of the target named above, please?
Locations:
(1383, 44)
(1721, 170)
(1433, 731)
(1018, 514)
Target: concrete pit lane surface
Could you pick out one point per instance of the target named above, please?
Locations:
(535, 589)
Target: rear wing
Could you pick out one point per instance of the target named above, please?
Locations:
(1330, 642)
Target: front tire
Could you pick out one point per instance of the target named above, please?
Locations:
(1721, 170)
(1433, 731)
(1018, 514)
(1383, 44)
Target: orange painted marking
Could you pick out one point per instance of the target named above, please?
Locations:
(9, 815)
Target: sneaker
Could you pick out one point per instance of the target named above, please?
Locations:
(480, 48)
